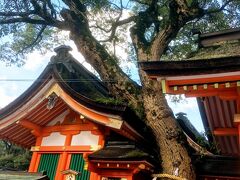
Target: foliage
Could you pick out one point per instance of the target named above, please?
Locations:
(110, 101)
(13, 157)
(177, 98)
(23, 41)
(210, 146)
(19, 38)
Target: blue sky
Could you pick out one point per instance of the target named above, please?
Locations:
(190, 107)
(9, 88)
(15, 80)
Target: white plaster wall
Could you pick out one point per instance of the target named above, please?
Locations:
(55, 139)
(85, 138)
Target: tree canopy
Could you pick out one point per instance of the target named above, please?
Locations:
(34, 24)
(148, 30)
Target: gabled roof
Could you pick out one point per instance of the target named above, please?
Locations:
(81, 84)
(226, 49)
(65, 84)
(120, 151)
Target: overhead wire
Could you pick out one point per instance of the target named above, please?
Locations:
(57, 80)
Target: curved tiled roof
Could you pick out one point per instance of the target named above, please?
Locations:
(79, 84)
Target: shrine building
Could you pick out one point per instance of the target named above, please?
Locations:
(212, 74)
(74, 128)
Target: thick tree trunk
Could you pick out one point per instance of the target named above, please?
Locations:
(149, 98)
(171, 141)
(118, 83)
(159, 117)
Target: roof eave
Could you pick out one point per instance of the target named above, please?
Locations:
(43, 78)
(191, 67)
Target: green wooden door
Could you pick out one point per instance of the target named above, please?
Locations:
(77, 164)
(48, 163)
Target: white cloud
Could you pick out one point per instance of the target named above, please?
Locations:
(75, 52)
(185, 105)
(36, 60)
(5, 99)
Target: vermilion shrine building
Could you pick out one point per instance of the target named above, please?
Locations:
(62, 117)
(213, 76)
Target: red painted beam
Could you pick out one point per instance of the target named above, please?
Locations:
(226, 132)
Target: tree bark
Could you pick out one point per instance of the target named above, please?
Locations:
(148, 99)
(118, 83)
(171, 141)
(175, 159)
(158, 116)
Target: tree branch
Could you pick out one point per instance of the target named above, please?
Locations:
(22, 14)
(56, 23)
(180, 12)
(115, 25)
(42, 11)
(35, 41)
(105, 64)
(36, 6)
(43, 17)
(144, 21)
(53, 12)
(121, 5)
(220, 9)
(25, 20)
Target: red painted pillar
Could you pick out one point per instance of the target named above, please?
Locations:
(33, 162)
(61, 166)
(130, 178)
(35, 157)
(37, 162)
(63, 159)
(94, 176)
